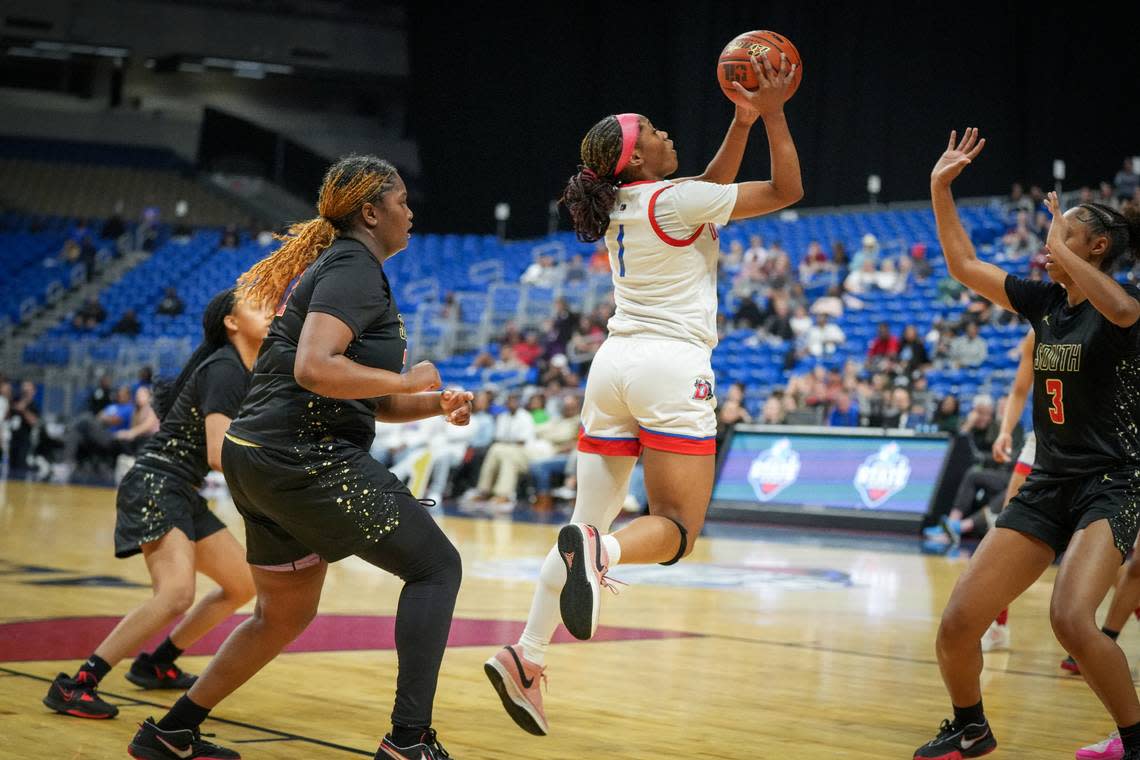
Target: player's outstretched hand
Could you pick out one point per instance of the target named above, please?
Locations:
(456, 405)
(422, 377)
(769, 97)
(957, 157)
(1003, 448)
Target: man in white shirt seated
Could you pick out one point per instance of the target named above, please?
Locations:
(507, 458)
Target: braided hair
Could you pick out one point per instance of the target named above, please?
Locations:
(1121, 228)
(348, 184)
(590, 194)
(214, 326)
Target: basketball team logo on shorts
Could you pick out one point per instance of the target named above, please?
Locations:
(882, 475)
(702, 389)
(774, 470)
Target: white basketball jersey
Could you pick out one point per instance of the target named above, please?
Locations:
(663, 245)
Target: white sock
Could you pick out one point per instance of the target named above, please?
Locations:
(613, 548)
(602, 485)
(545, 613)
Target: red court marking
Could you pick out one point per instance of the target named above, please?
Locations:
(75, 638)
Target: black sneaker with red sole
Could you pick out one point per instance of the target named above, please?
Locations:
(150, 674)
(77, 697)
(152, 743)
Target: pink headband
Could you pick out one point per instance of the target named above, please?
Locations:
(630, 129)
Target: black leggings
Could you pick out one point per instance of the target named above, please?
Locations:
(419, 553)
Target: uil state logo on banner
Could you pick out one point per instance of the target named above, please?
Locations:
(882, 475)
(774, 470)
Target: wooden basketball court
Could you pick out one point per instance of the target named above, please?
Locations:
(764, 644)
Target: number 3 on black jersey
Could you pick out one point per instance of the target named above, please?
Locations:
(1056, 390)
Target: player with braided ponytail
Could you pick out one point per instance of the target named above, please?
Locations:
(650, 392)
(296, 459)
(161, 515)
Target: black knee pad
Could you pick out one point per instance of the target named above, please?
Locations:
(684, 543)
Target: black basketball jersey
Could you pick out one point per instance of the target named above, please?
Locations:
(347, 282)
(1086, 382)
(218, 385)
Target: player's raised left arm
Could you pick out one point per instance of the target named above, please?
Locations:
(1104, 293)
(962, 259)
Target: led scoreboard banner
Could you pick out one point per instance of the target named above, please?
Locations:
(851, 477)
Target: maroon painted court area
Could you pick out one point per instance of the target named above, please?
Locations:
(76, 638)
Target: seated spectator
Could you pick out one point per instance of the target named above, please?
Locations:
(114, 227)
(868, 252)
(102, 396)
(814, 261)
(508, 361)
(94, 441)
(586, 341)
(845, 413)
(748, 314)
(756, 252)
(824, 337)
(536, 405)
(545, 272)
(1127, 181)
(529, 349)
(946, 418)
(575, 270)
(506, 458)
(731, 412)
(778, 267)
(920, 265)
(732, 260)
(773, 411)
(145, 378)
(873, 400)
(830, 304)
(171, 305)
(901, 413)
(912, 354)
(128, 325)
(968, 350)
(987, 477)
(229, 237)
(1018, 201)
(1020, 242)
(550, 452)
(447, 445)
(889, 279)
(839, 260)
(801, 322)
(90, 315)
(23, 421)
(482, 427)
(778, 325)
(885, 346)
(862, 280)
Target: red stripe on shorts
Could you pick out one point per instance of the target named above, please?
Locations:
(1022, 469)
(609, 447)
(678, 444)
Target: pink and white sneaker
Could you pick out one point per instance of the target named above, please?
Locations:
(582, 551)
(516, 679)
(1109, 749)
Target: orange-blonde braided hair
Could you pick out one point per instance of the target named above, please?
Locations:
(348, 184)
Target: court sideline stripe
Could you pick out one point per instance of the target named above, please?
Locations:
(282, 735)
(873, 655)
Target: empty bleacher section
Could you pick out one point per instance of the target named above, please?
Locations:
(93, 180)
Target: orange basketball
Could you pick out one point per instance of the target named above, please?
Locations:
(735, 64)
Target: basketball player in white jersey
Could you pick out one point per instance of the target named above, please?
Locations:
(650, 391)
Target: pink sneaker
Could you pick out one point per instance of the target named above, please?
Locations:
(587, 562)
(516, 679)
(1109, 749)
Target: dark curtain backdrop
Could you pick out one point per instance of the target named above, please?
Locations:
(503, 92)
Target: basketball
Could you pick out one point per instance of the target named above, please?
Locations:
(735, 65)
